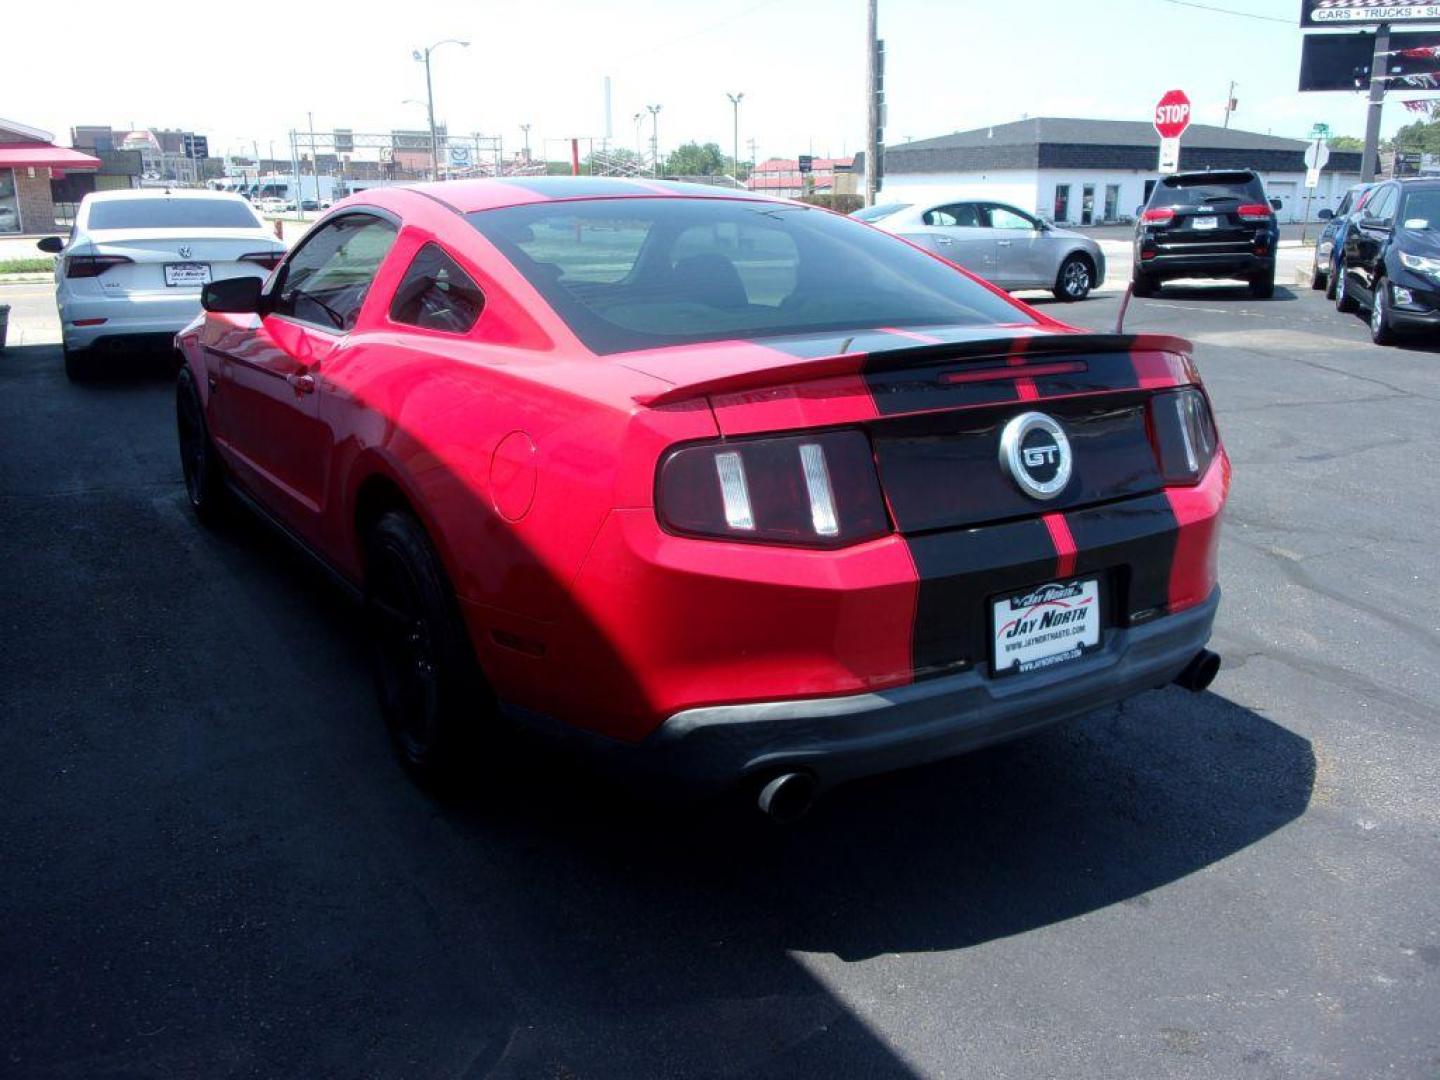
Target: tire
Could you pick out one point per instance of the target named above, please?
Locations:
(1344, 302)
(199, 462)
(1330, 281)
(1075, 279)
(1382, 328)
(1262, 287)
(1317, 278)
(432, 695)
(1143, 284)
(79, 364)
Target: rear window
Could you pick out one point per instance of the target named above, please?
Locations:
(165, 213)
(1207, 188)
(630, 274)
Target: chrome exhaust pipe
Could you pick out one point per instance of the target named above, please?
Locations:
(787, 797)
(1200, 672)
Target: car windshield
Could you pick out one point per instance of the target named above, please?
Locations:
(875, 213)
(165, 213)
(1207, 190)
(645, 273)
(1422, 210)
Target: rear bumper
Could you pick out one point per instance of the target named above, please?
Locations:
(135, 315)
(1227, 265)
(705, 750)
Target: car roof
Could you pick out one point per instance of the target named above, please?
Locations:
(468, 196)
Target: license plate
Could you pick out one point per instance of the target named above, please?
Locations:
(1203, 223)
(187, 273)
(1044, 626)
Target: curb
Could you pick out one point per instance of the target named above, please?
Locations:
(26, 279)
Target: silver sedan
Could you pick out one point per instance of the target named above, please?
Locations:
(1005, 246)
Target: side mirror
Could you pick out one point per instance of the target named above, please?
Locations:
(1275, 204)
(236, 296)
(51, 245)
(1326, 214)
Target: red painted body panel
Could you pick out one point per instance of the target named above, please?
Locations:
(532, 464)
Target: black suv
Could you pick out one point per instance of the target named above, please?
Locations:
(1207, 225)
(1390, 261)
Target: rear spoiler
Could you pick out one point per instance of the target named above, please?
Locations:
(1016, 348)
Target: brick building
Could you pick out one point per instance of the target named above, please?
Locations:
(1086, 172)
(29, 160)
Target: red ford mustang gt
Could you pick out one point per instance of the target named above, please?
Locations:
(732, 488)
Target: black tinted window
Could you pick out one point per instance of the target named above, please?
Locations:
(1421, 209)
(643, 273)
(436, 294)
(326, 280)
(176, 213)
(1201, 189)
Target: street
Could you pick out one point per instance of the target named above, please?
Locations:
(215, 866)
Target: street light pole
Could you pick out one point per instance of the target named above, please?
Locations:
(735, 100)
(872, 103)
(526, 129)
(654, 111)
(430, 99)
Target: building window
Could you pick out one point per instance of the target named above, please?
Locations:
(1062, 202)
(1112, 201)
(9, 203)
(1087, 205)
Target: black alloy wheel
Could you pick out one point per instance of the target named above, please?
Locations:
(200, 464)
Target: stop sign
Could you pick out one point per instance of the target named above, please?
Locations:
(1172, 114)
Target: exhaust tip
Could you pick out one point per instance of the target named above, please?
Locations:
(787, 797)
(1200, 672)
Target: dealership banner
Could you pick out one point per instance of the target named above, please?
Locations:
(1356, 12)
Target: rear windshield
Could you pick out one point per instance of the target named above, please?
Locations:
(1207, 189)
(630, 274)
(165, 213)
(875, 213)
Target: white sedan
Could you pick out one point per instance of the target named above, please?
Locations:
(132, 269)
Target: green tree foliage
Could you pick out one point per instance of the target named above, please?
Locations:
(1421, 135)
(692, 159)
(1346, 142)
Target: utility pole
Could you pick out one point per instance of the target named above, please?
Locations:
(1379, 67)
(526, 129)
(314, 167)
(255, 145)
(654, 111)
(735, 100)
(1229, 103)
(430, 100)
(872, 103)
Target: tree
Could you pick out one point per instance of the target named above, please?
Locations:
(692, 159)
(1422, 135)
(1346, 142)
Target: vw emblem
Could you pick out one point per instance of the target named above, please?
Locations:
(185, 251)
(1035, 453)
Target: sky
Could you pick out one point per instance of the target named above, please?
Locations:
(245, 73)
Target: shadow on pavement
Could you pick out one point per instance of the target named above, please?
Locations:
(220, 868)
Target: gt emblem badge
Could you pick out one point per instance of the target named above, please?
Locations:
(185, 252)
(1035, 453)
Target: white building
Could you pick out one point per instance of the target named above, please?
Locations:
(1085, 172)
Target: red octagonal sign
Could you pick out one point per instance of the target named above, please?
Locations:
(1172, 114)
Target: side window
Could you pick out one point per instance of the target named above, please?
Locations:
(1380, 204)
(961, 214)
(436, 294)
(1002, 217)
(1344, 207)
(325, 281)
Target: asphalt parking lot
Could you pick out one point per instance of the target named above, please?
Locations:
(213, 866)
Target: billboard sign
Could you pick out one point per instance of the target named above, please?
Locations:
(1335, 13)
(1343, 61)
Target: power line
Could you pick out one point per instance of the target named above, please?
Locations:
(1230, 11)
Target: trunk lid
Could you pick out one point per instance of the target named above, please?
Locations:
(151, 250)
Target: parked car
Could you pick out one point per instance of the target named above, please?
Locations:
(1390, 263)
(1207, 225)
(1332, 236)
(1004, 245)
(9, 219)
(674, 477)
(133, 267)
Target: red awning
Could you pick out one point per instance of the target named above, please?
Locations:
(18, 155)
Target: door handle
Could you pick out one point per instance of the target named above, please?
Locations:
(302, 384)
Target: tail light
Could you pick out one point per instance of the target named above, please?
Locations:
(78, 266)
(1158, 216)
(1183, 435)
(1253, 212)
(816, 490)
(268, 259)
